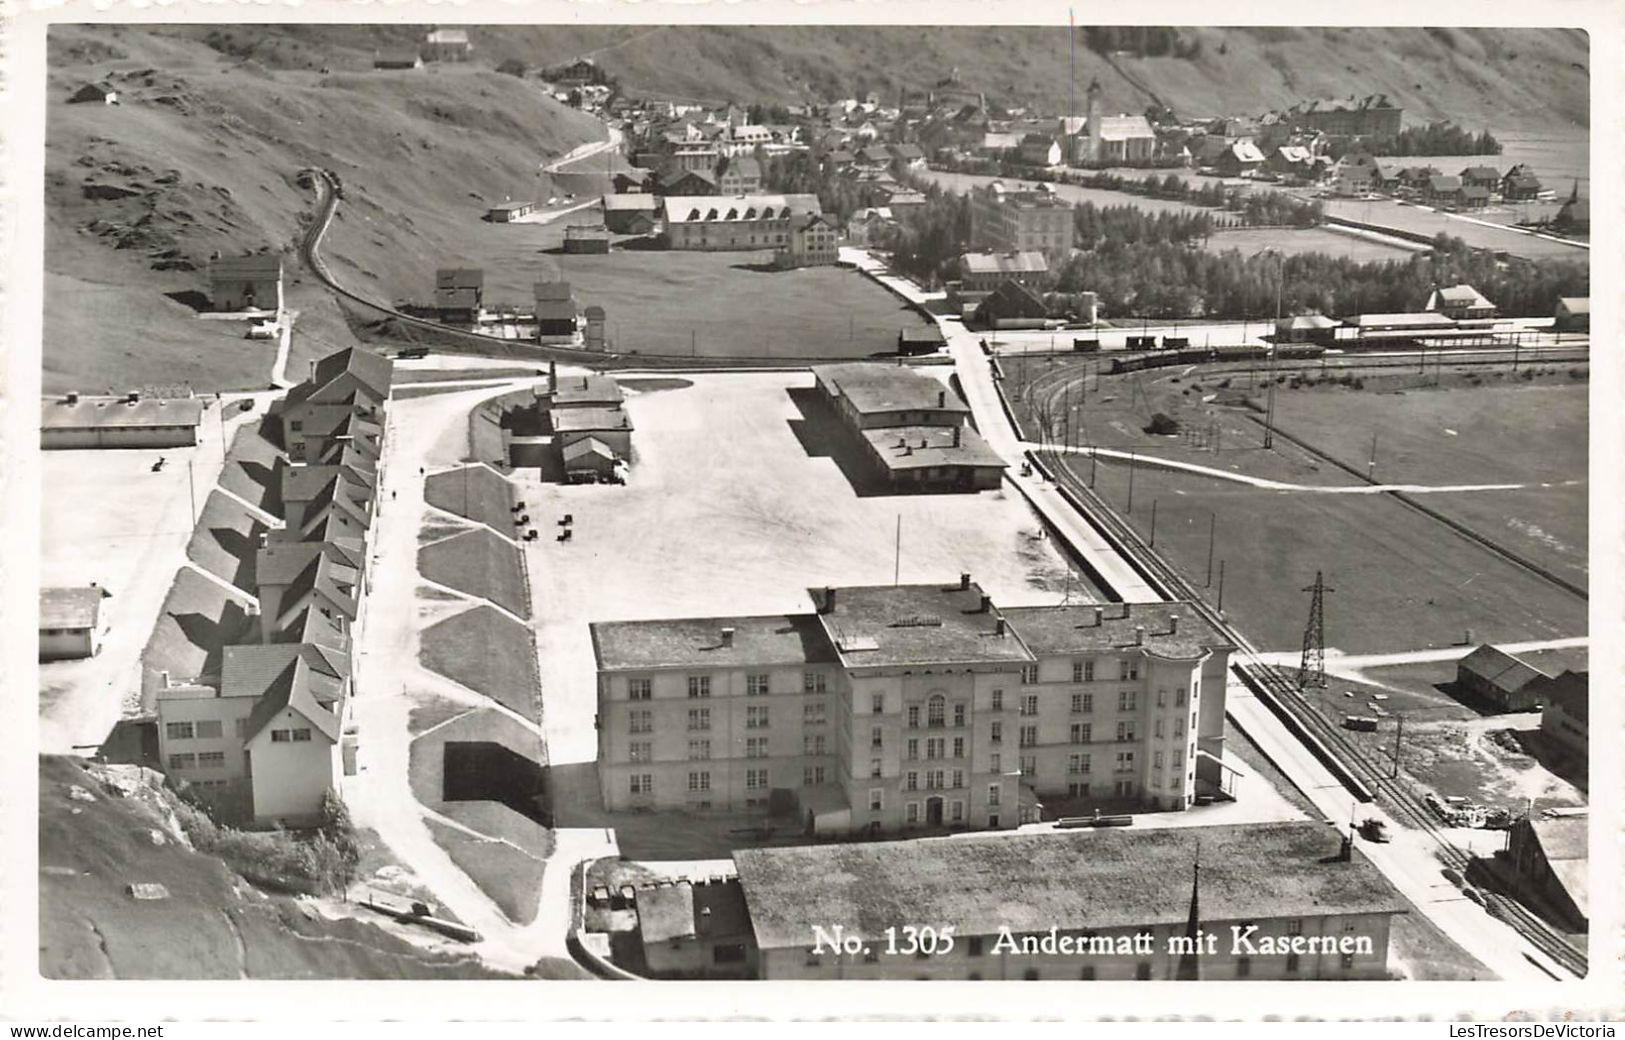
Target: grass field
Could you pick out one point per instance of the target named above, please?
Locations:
(473, 492)
(487, 653)
(1248, 241)
(481, 564)
(1388, 213)
(512, 877)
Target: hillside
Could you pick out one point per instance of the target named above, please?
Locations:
(201, 155)
(94, 841)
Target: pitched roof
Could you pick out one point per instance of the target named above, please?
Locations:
(635, 201)
(104, 413)
(256, 265)
(587, 419)
(1029, 262)
(681, 209)
(1499, 668)
(69, 608)
(1074, 880)
(592, 389)
(586, 447)
(373, 371)
(1246, 151)
(1576, 304)
(1570, 692)
(1124, 128)
(1307, 321)
(282, 678)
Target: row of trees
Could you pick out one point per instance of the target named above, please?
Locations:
(801, 173)
(1167, 280)
(1438, 138)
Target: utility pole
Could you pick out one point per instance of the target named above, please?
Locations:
(1312, 665)
(897, 554)
(1221, 586)
(1399, 735)
(1131, 482)
(1269, 414)
(1094, 459)
(191, 491)
(1153, 523)
(1371, 467)
(1212, 527)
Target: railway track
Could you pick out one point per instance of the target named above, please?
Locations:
(1375, 774)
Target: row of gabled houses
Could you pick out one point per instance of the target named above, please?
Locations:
(268, 733)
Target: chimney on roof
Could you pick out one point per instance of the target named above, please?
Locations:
(828, 604)
(942, 398)
(998, 627)
(163, 680)
(583, 382)
(552, 375)
(313, 370)
(956, 436)
(1173, 624)
(727, 637)
(987, 604)
(72, 398)
(133, 397)
(1139, 635)
(703, 926)
(1100, 616)
(964, 580)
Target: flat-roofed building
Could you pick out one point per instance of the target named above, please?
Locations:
(446, 45)
(1283, 900)
(586, 238)
(868, 395)
(1014, 221)
(246, 283)
(696, 930)
(892, 708)
(70, 624)
(132, 421)
(508, 212)
(592, 390)
(921, 458)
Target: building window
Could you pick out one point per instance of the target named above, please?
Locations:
(1028, 737)
(934, 747)
(913, 749)
(1082, 732)
(239, 727)
(935, 712)
(1029, 704)
(756, 684)
(1179, 726)
(1125, 761)
(1179, 696)
(911, 812)
(639, 689)
(1077, 763)
(208, 728)
(640, 751)
(956, 811)
(755, 747)
(876, 799)
(1088, 671)
(178, 730)
(1029, 673)
(699, 686)
(1083, 703)
(1179, 759)
(993, 762)
(280, 736)
(1126, 700)
(1193, 720)
(911, 782)
(996, 732)
(756, 717)
(699, 781)
(812, 776)
(699, 718)
(813, 713)
(877, 704)
(641, 722)
(998, 700)
(959, 747)
(1125, 731)
(811, 744)
(642, 783)
(182, 761)
(813, 682)
(993, 794)
(699, 750)
(1077, 671)
(1156, 728)
(992, 819)
(959, 716)
(1156, 760)
(755, 779)
(913, 716)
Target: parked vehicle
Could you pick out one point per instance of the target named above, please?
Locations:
(1374, 830)
(1362, 723)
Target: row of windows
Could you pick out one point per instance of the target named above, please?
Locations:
(699, 781)
(201, 760)
(760, 684)
(757, 684)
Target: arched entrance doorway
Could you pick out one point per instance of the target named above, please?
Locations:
(933, 811)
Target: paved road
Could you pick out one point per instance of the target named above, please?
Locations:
(1350, 664)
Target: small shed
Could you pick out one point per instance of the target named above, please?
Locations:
(921, 339)
(1573, 314)
(589, 455)
(1306, 328)
(1496, 677)
(586, 238)
(508, 212)
(69, 623)
(94, 94)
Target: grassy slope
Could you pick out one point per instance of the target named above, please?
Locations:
(211, 146)
(211, 926)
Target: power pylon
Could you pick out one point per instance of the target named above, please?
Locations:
(1312, 668)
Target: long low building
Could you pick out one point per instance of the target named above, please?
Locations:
(939, 457)
(711, 222)
(896, 708)
(131, 421)
(1281, 901)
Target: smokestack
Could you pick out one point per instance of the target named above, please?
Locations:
(1100, 616)
(727, 637)
(964, 580)
(1139, 635)
(1173, 624)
